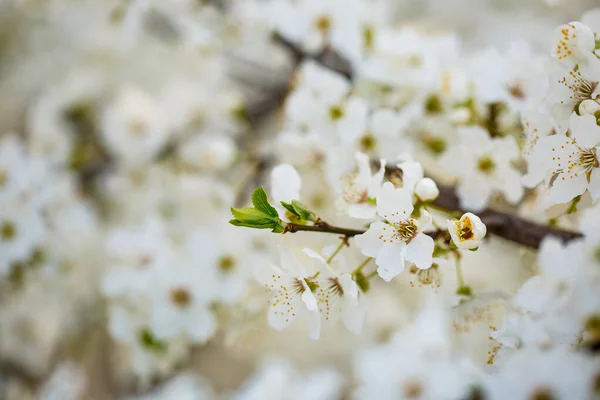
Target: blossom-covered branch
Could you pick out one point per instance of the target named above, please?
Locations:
(508, 226)
(505, 225)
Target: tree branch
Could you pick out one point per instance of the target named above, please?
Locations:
(508, 226)
(322, 227)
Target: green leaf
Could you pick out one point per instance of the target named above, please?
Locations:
(303, 212)
(277, 226)
(249, 214)
(261, 203)
(267, 225)
(290, 208)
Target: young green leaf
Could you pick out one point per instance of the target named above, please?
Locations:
(277, 226)
(251, 215)
(261, 203)
(270, 224)
(303, 212)
(290, 208)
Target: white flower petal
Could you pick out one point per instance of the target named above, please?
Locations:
(362, 211)
(585, 129)
(285, 183)
(420, 250)
(370, 242)
(390, 260)
(202, 326)
(282, 310)
(353, 315)
(309, 298)
(394, 204)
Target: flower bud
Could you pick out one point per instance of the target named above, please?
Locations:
(460, 116)
(427, 190)
(588, 107)
(468, 232)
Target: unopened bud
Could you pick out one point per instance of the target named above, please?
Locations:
(427, 190)
(590, 107)
(468, 232)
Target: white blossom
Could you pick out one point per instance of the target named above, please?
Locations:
(360, 189)
(483, 165)
(399, 238)
(293, 296)
(568, 165)
(338, 294)
(468, 232)
(134, 127)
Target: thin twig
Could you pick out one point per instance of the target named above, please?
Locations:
(323, 228)
(508, 226)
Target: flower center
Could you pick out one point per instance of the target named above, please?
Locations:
(516, 91)
(323, 24)
(405, 231)
(542, 394)
(486, 165)
(181, 297)
(436, 145)
(412, 390)
(588, 160)
(580, 87)
(465, 229)
(8, 230)
(368, 142)
(335, 287)
(578, 160)
(226, 264)
(335, 113)
(430, 276)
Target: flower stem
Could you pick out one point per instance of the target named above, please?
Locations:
(372, 274)
(459, 274)
(362, 265)
(343, 243)
(462, 289)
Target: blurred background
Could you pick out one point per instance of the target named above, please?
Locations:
(130, 129)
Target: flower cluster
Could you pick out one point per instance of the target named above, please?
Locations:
(419, 220)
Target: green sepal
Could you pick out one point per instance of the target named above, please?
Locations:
(151, 342)
(464, 291)
(261, 203)
(290, 208)
(304, 212)
(299, 210)
(475, 249)
(277, 226)
(361, 281)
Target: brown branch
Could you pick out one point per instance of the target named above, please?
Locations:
(322, 227)
(508, 226)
